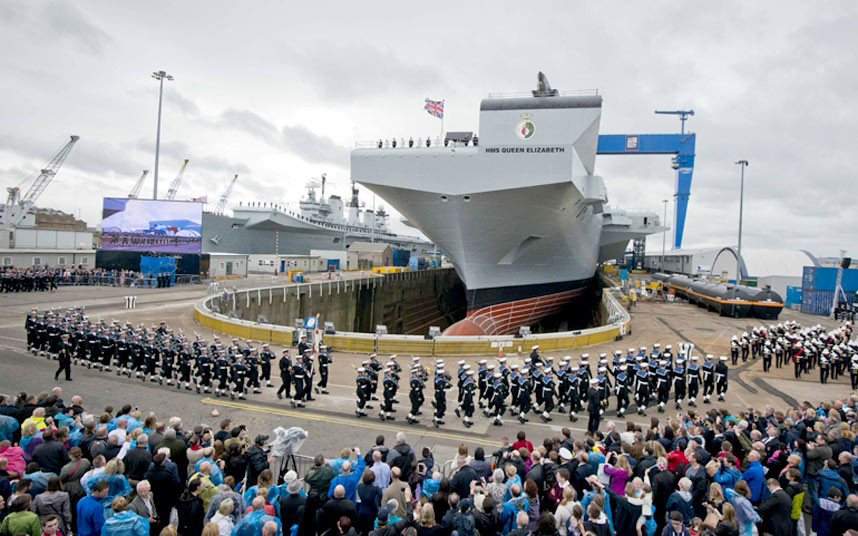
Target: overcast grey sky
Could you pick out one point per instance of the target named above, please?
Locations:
(280, 91)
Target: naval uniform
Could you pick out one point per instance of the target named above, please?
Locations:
(622, 392)
(721, 372)
(693, 383)
(285, 377)
(708, 381)
(324, 362)
(64, 358)
(364, 388)
(415, 396)
(594, 408)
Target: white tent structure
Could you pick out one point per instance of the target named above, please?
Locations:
(777, 268)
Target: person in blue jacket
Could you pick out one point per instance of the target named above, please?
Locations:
(755, 476)
(349, 476)
(90, 511)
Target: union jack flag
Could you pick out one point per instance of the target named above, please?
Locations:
(435, 108)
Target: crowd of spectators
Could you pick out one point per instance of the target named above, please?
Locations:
(44, 278)
(66, 468)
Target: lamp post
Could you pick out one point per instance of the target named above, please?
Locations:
(664, 234)
(159, 76)
(742, 164)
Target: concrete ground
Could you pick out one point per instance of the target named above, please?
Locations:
(330, 419)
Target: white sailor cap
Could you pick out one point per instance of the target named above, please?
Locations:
(574, 368)
(631, 350)
(643, 348)
(722, 358)
(415, 368)
(467, 367)
(535, 347)
(482, 361)
(603, 369)
(497, 375)
(361, 370)
(680, 359)
(668, 347)
(548, 370)
(567, 358)
(585, 356)
(461, 362)
(663, 362)
(513, 367)
(656, 345)
(694, 358)
(603, 355)
(618, 353)
(439, 366)
(639, 358)
(373, 356)
(593, 381)
(624, 367)
(527, 360)
(469, 373)
(502, 360)
(491, 367)
(415, 359)
(439, 361)
(525, 370)
(549, 359)
(540, 364)
(393, 357)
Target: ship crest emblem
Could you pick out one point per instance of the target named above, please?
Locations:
(525, 129)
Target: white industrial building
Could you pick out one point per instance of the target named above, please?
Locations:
(347, 260)
(284, 263)
(777, 268)
(49, 238)
(682, 261)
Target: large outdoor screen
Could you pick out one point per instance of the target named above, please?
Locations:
(151, 225)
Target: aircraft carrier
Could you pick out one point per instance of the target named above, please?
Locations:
(318, 223)
(520, 214)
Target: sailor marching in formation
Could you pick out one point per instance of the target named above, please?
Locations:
(833, 352)
(156, 354)
(542, 386)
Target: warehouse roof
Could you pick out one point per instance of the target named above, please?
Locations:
(759, 262)
(369, 247)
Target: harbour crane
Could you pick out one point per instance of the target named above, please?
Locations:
(136, 190)
(17, 208)
(174, 186)
(683, 116)
(221, 205)
(680, 146)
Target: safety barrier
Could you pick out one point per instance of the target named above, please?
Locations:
(617, 326)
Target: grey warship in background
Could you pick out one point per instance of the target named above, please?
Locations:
(522, 216)
(319, 223)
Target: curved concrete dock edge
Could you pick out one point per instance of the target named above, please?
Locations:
(617, 327)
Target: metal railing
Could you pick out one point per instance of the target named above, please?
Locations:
(419, 143)
(560, 93)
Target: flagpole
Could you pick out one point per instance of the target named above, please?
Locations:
(442, 121)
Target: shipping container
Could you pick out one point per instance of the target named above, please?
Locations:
(824, 278)
(793, 296)
(401, 257)
(816, 302)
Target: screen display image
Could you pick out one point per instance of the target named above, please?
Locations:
(149, 225)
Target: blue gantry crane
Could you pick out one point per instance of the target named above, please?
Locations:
(681, 146)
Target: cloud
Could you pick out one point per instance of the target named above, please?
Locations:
(180, 150)
(249, 122)
(65, 19)
(353, 71)
(297, 139)
(174, 99)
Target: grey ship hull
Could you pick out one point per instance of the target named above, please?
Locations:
(225, 234)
